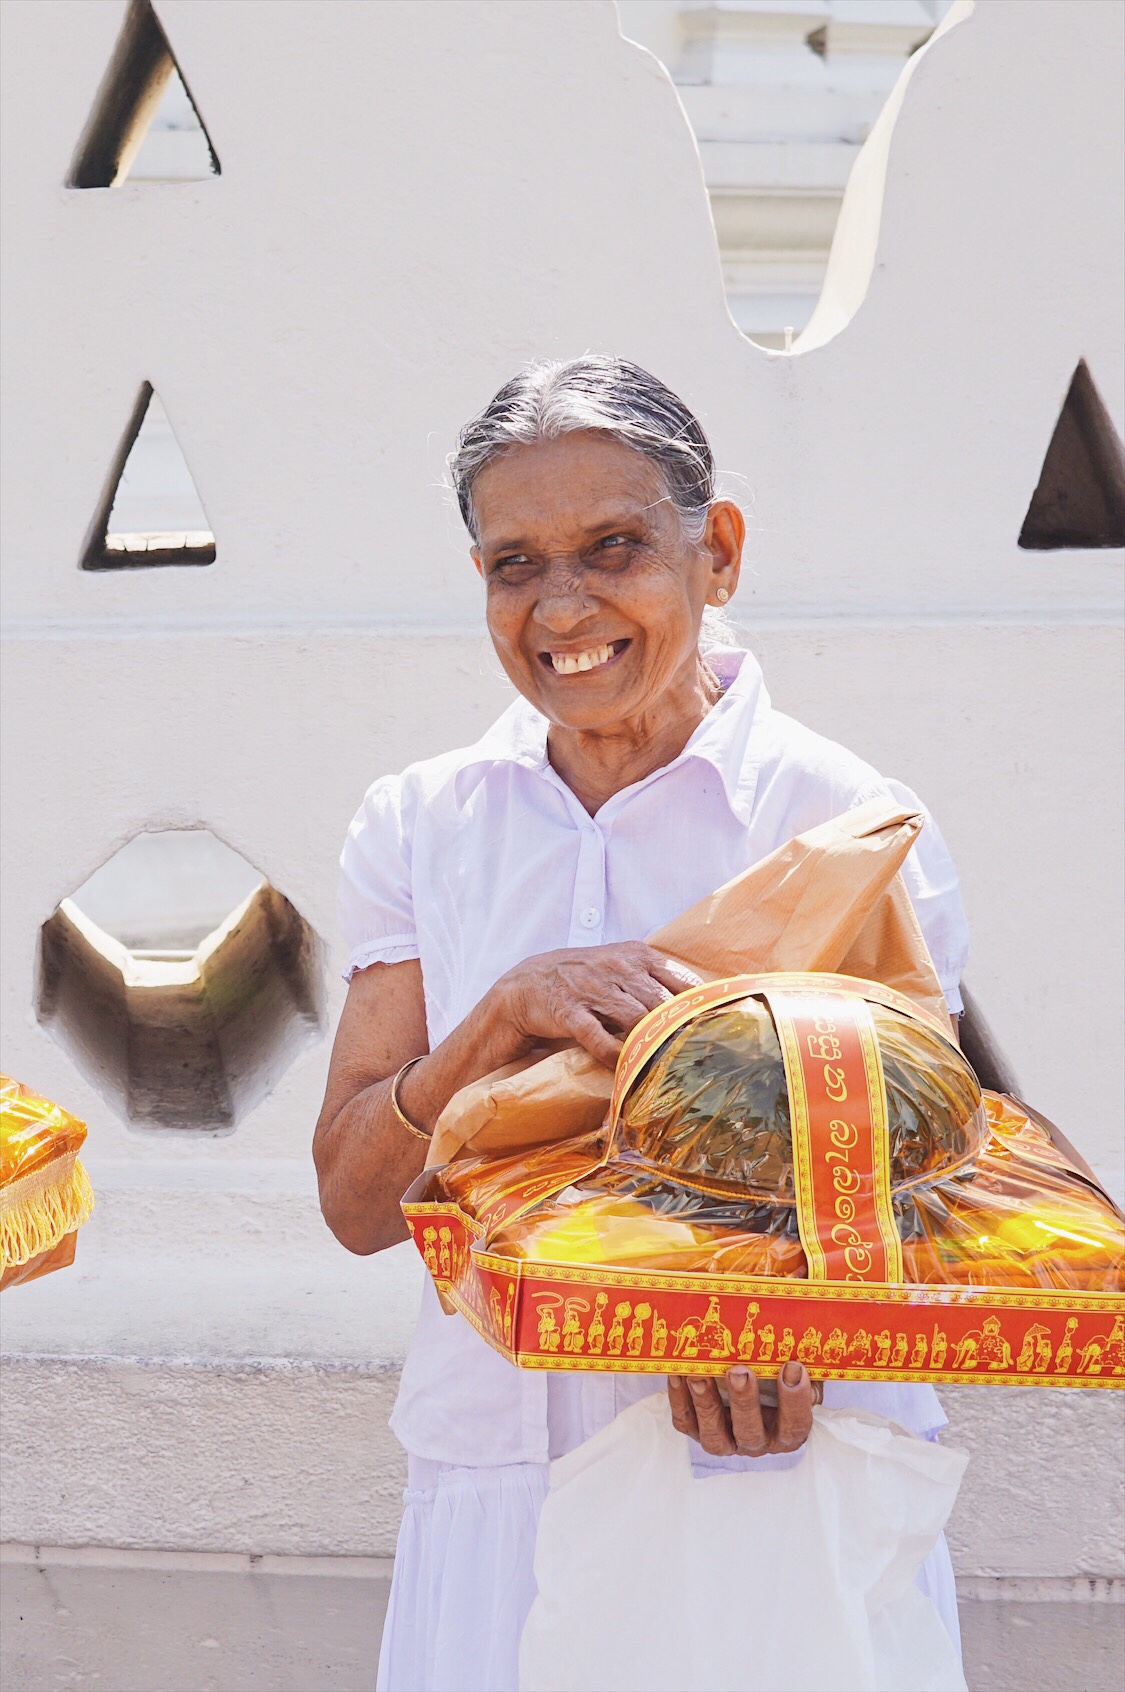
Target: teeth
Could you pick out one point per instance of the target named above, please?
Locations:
(570, 663)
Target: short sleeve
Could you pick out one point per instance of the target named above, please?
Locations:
(374, 903)
(935, 893)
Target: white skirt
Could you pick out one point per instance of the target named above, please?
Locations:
(463, 1579)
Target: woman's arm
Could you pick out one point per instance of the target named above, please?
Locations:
(365, 1159)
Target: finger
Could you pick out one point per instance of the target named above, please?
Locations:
(598, 1041)
(683, 1410)
(670, 972)
(794, 1407)
(646, 990)
(622, 1011)
(751, 1437)
(710, 1412)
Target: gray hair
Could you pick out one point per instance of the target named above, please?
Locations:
(551, 398)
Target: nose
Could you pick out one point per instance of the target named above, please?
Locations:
(564, 600)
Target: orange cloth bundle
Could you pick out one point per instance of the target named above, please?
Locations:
(45, 1193)
(792, 1164)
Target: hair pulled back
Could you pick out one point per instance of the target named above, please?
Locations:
(549, 398)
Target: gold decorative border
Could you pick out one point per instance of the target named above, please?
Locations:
(782, 1010)
(805, 1291)
(680, 1366)
(620, 1364)
(877, 1093)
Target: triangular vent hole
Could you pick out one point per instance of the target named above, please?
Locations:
(144, 125)
(150, 512)
(1080, 498)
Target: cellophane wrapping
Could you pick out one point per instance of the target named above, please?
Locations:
(719, 1207)
(45, 1193)
(701, 1178)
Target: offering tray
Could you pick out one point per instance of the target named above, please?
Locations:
(792, 1165)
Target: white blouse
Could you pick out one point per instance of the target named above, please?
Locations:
(480, 858)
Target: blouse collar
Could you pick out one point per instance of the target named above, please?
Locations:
(723, 739)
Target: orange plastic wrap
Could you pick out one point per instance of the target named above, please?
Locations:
(45, 1194)
(792, 1165)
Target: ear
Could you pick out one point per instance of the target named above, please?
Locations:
(474, 554)
(723, 540)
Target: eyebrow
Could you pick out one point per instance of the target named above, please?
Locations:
(610, 521)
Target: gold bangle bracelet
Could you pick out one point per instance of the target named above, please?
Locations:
(411, 1127)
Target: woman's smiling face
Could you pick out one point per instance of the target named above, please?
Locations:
(594, 592)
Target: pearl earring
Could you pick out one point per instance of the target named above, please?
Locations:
(722, 595)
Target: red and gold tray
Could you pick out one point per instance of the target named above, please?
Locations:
(855, 1316)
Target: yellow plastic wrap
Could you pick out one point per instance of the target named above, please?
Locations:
(45, 1194)
(1015, 1216)
(697, 1188)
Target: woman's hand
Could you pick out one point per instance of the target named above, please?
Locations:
(364, 1157)
(747, 1428)
(591, 994)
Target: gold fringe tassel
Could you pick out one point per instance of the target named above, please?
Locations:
(41, 1209)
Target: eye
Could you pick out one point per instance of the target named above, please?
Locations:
(619, 545)
(513, 567)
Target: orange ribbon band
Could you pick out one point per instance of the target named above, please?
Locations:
(841, 1152)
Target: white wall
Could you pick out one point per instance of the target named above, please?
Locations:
(413, 200)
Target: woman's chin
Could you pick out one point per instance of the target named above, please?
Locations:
(583, 706)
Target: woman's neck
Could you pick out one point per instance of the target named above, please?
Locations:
(597, 763)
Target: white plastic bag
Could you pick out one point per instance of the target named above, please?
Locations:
(799, 1580)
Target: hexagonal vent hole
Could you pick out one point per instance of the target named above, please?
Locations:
(180, 982)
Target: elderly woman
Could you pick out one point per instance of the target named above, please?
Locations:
(495, 897)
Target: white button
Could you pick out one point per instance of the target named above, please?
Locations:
(590, 917)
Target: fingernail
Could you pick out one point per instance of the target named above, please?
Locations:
(675, 1380)
(739, 1379)
(698, 1387)
(793, 1374)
